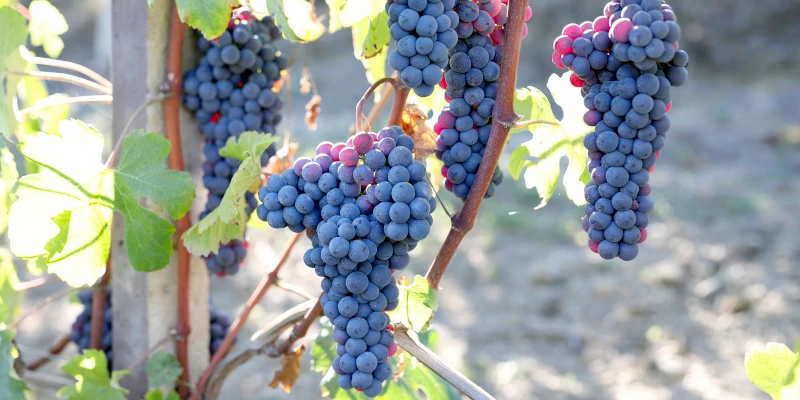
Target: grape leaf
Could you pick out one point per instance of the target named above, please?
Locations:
(156, 394)
(209, 16)
(774, 369)
(552, 140)
(8, 177)
(410, 376)
(10, 299)
(417, 304)
(90, 369)
(47, 24)
(12, 36)
(377, 37)
(356, 11)
(334, 9)
(11, 386)
(142, 173)
(72, 178)
(229, 220)
(375, 66)
(162, 369)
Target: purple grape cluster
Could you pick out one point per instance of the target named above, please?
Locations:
(626, 63)
(424, 31)
(82, 327)
(365, 204)
(230, 92)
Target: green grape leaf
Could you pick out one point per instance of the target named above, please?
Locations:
(377, 37)
(209, 16)
(774, 369)
(410, 377)
(11, 386)
(12, 36)
(357, 11)
(163, 369)
(10, 299)
(72, 178)
(13, 62)
(552, 140)
(250, 141)
(8, 178)
(375, 66)
(142, 173)
(47, 24)
(417, 304)
(156, 394)
(335, 8)
(90, 369)
(296, 18)
(229, 220)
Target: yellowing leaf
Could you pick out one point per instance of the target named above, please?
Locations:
(290, 370)
(47, 24)
(356, 11)
(773, 370)
(417, 304)
(377, 37)
(335, 8)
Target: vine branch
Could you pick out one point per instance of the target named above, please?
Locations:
(56, 76)
(299, 331)
(266, 282)
(432, 361)
(503, 117)
(365, 97)
(399, 104)
(99, 296)
(34, 283)
(376, 110)
(56, 349)
(172, 121)
(523, 124)
(39, 306)
(43, 105)
(70, 66)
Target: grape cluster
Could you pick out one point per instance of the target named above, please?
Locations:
(231, 91)
(473, 68)
(424, 31)
(82, 327)
(365, 204)
(626, 63)
(498, 10)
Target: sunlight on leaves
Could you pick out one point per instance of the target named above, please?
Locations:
(335, 8)
(8, 178)
(10, 299)
(774, 370)
(356, 11)
(377, 37)
(90, 370)
(11, 386)
(210, 17)
(551, 142)
(12, 37)
(417, 304)
(47, 25)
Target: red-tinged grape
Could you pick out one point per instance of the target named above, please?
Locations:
(575, 80)
(574, 31)
(643, 235)
(621, 30)
(563, 45)
(601, 24)
(557, 60)
(593, 246)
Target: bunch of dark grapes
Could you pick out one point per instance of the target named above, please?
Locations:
(424, 31)
(625, 62)
(365, 204)
(231, 92)
(473, 68)
(82, 327)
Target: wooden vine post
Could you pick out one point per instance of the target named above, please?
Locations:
(145, 304)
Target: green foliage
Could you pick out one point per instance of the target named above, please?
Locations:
(163, 369)
(377, 37)
(416, 305)
(63, 213)
(369, 42)
(12, 36)
(10, 299)
(8, 177)
(11, 386)
(334, 9)
(157, 394)
(142, 173)
(775, 371)
(410, 376)
(228, 221)
(90, 369)
(47, 24)
(294, 17)
(209, 16)
(552, 140)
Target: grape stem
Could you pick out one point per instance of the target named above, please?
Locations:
(34, 283)
(99, 296)
(523, 124)
(299, 331)
(266, 282)
(56, 76)
(432, 361)
(503, 118)
(112, 158)
(365, 97)
(44, 104)
(38, 307)
(172, 107)
(24, 11)
(376, 110)
(70, 66)
(293, 289)
(55, 350)
(399, 104)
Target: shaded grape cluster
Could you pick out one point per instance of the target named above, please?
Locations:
(82, 327)
(626, 63)
(230, 92)
(365, 205)
(424, 32)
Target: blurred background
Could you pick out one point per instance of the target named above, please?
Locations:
(526, 310)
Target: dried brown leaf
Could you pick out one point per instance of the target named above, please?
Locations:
(290, 370)
(312, 112)
(279, 83)
(413, 124)
(306, 81)
(283, 159)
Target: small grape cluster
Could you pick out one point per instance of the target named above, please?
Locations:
(498, 10)
(82, 327)
(625, 62)
(230, 92)
(424, 31)
(365, 204)
(473, 68)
